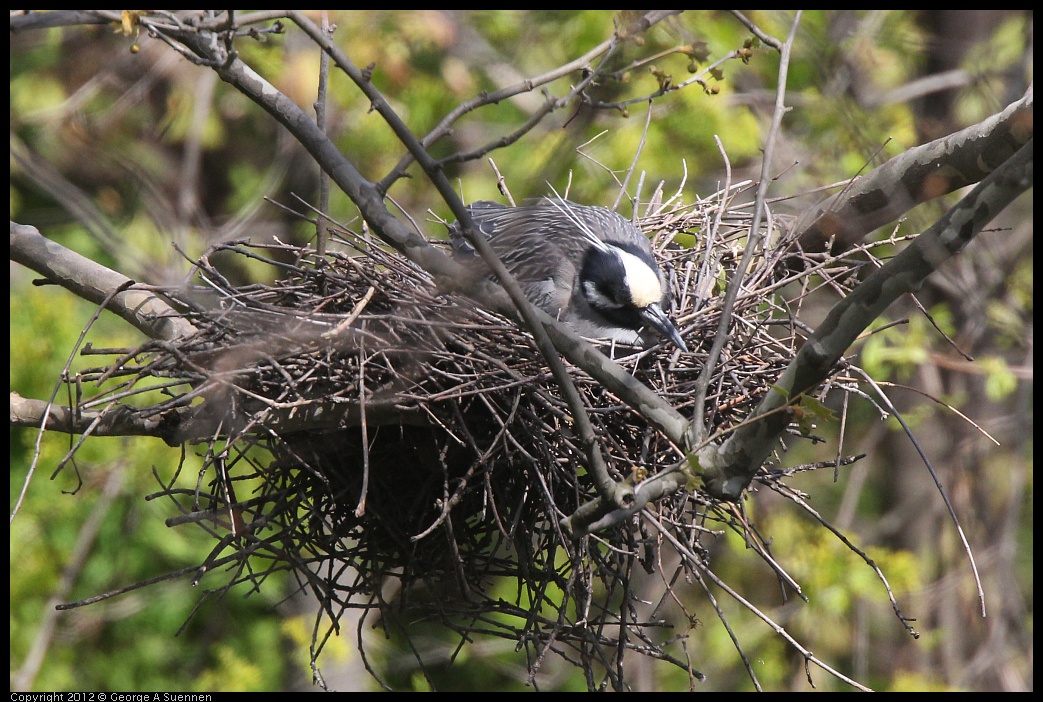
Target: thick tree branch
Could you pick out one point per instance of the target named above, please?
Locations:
(729, 467)
(96, 283)
(178, 425)
(58, 18)
(116, 420)
(915, 176)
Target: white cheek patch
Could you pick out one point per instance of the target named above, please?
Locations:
(596, 299)
(645, 286)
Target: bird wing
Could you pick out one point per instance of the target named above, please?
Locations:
(532, 245)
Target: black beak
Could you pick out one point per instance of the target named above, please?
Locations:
(654, 317)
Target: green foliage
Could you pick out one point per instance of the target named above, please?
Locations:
(897, 350)
(1000, 382)
(231, 672)
(33, 96)
(297, 631)
(132, 543)
(1009, 317)
(837, 582)
(905, 681)
(811, 413)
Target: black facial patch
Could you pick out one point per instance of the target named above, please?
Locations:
(604, 272)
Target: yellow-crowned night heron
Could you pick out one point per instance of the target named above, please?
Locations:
(586, 266)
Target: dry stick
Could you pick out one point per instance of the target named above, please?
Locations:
(703, 383)
(38, 449)
(360, 509)
(633, 162)
(501, 184)
(697, 431)
(320, 121)
(934, 476)
(801, 502)
(700, 569)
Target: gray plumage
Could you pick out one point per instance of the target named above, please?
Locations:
(587, 266)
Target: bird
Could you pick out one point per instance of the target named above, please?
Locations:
(585, 265)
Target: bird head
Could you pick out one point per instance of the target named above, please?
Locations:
(623, 283)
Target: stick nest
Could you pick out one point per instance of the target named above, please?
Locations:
(368, 430)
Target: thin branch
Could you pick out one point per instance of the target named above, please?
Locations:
(701, 570)
(754, 238)
(320, 122)
(757, 31)
(934, 476)
(24, 677)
